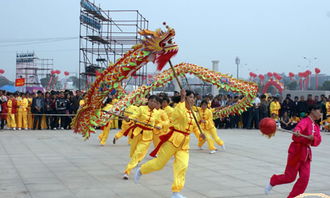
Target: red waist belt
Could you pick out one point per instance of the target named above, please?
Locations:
(135, 126)
(164, 138)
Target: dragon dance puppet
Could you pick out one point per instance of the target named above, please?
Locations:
(158, 47)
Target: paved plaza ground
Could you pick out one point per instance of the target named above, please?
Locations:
(59, 164)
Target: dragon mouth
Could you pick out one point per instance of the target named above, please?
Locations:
(165, 56)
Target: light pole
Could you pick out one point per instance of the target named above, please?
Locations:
(237, 61)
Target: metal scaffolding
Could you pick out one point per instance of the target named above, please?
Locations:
(105, 35)
(32, 69)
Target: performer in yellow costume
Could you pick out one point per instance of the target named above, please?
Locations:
(166, 107)
(12, 108)
(22, 113)
(125, 124)
(275, 107)
(162, 122)
(106, 129)
(141, 134)
(29, 113)
(175, 143)
(207, 124)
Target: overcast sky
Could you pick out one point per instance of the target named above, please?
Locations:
(272, 35)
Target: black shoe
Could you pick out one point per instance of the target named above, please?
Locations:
(114, 141)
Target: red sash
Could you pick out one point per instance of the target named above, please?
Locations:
(164, 138)
(135, 126)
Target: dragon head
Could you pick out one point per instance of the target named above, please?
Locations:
(160, 44)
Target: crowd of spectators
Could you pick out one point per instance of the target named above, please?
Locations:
(54, 110)
(50, 110)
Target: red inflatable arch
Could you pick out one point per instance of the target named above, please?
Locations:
(279, 86)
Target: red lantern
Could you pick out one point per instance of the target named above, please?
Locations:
(267, 127)
(58, 71)
(2, 71)
(53, 72)
(66, 73)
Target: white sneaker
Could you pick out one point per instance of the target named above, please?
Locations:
(177, 195)
(213, 151)
(223, 147)
(125, 177)
(14, 129)
(137, 175)
(19, 129)
(25, 128)
(268, 188)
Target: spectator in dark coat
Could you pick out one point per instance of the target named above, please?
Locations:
(37, 108)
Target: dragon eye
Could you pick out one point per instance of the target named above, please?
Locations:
(170, 41)
(162, 44)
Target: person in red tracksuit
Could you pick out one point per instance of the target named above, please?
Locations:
(300, 154)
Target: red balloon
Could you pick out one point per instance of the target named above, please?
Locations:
(261, 77)
(270, 74)
(66, 73)
(57, 72)
(291, 74)
(267, 127)
(317, 70)
(308, 72)
(53, 72)
(2, 71)
(278, 77)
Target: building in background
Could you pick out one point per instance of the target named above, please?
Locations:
(29, 70)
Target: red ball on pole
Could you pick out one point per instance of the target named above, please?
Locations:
(267, 126)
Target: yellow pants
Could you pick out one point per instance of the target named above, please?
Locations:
(30, 119)
(180, 165)
(105, 134)
(138, 151)
(156, 139)
(125, 125)
(11, 122)
(114, 124)
(211, 136)
(22, 119)
(43, 122)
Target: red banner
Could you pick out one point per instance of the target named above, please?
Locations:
(20, 82)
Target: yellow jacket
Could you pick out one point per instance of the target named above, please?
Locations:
(128, 111)
(162, 122)
(168, 111)
(275, 107)
(23, 104)
(148, 116)
(182, 120)
(206, 115)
